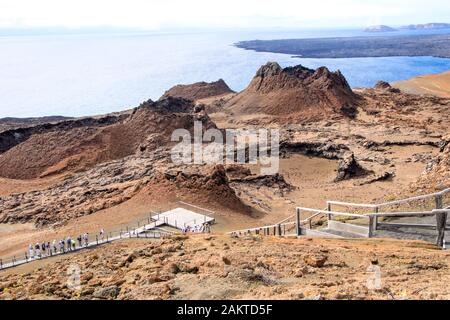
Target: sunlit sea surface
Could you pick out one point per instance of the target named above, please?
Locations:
(77, 75)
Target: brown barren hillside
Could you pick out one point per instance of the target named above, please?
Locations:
(295, 91)
(434, 84)
(199, 90)
(59, 150)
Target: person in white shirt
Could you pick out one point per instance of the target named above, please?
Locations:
(31, 250)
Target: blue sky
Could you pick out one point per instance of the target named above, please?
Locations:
(163, 14)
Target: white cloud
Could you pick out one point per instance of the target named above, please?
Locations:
(155, 14)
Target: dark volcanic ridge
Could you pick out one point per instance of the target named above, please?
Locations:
(199, 90)
(356, 47)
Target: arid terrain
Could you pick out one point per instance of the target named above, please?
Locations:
(70, 176)
(219, 267)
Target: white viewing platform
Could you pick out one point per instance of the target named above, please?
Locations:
(181, 218)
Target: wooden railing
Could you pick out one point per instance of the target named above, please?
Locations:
(148, 227)
(438, 196)
(372, 217)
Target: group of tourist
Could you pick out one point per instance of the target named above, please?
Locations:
(204, 228)
(46, 249)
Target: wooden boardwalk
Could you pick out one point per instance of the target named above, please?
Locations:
(369, 223)
(178, 218)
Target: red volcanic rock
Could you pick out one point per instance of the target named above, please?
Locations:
(296, 91)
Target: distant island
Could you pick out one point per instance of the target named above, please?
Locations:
(356, 47)
(426, 26)
(429, 26)
(380, 28)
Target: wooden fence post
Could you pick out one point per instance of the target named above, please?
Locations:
(297, 223)
(279, 230)
(438, 200)
(1, 264)
(375, 227)
(329, 216)
(96, 238)
(441, 221)
(371, 225)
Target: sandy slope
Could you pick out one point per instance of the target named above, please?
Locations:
(433, 84)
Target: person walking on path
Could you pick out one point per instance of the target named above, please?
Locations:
(69, 244)
(43, 249)
(102, 234)
(55, 249)
(38, 252)
(80, 243)
(86, 239)
(31, 250)
(61, 246)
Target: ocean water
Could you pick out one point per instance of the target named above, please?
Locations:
(78, 75)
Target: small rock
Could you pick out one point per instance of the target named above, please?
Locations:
(107, 293)
(316, 261)
(226, 260)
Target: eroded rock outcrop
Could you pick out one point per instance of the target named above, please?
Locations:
(271, 181)
(326, 150)
(384, 86)
(102, 187)
(349, 168)
(203, 185)
(437, 174)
